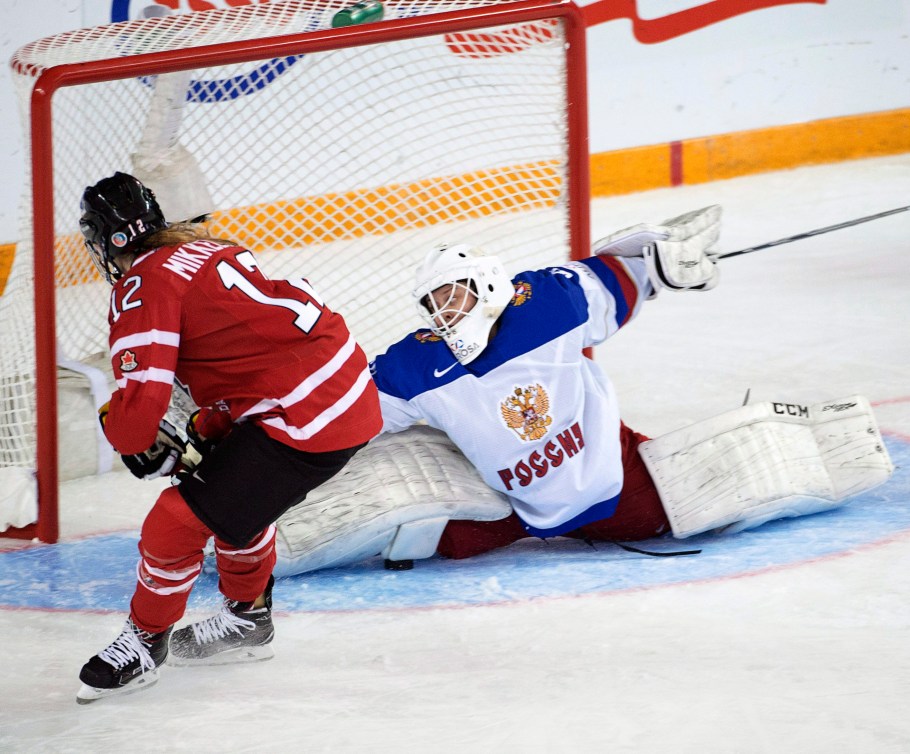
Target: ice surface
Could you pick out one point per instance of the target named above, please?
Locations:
(795, 637)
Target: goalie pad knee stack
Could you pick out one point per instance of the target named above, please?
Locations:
(766, 461)
(393, 499)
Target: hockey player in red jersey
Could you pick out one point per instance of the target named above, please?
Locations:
(287, 398)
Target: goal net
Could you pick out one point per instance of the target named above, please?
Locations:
(337, 154)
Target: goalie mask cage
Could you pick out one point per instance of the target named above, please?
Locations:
(337, 154)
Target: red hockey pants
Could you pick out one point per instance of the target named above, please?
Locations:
(639, 514)
(171, 555)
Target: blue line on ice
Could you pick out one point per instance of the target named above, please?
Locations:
(98, 573)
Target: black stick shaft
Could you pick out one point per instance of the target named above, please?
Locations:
(816, 232)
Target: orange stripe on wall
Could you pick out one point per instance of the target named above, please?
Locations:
(714, 158)
(817, 142)
(625, 171)
(7, 251)
(386, 209)
(629, 170)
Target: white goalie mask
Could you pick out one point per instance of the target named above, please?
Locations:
(472, 290)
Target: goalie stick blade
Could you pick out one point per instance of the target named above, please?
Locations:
(88, 694)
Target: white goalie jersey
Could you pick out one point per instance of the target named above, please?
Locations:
(538, 419)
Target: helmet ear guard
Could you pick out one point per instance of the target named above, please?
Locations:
(463, 321)
(118, 213)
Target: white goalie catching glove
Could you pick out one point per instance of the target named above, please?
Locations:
(678, 252)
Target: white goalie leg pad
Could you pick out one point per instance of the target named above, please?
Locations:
(393, 499)
(766, 461)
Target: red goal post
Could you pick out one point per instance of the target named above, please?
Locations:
(357, 237)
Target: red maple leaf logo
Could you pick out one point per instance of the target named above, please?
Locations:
(128, 361)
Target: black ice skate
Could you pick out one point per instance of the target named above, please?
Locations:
(128, 665)
(239, 633)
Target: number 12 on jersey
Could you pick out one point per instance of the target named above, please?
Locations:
(307, 314)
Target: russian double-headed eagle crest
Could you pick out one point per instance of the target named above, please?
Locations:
(522, 293)
(525, 411)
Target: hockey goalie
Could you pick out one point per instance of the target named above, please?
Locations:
(497, 427)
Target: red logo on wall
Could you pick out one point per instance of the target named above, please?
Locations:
(646, 30)
(652, 30)
(480, 45)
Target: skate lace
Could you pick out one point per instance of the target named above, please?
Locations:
(126, 648)
(220, 625)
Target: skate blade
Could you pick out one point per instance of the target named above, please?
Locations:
(88, 694)
(230, 657)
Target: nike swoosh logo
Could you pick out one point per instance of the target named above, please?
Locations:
(439, 373)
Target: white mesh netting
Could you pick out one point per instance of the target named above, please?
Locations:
(343, 166)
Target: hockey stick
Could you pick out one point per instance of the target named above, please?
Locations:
(810, 233)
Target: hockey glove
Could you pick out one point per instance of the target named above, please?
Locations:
(159, 460)
(205, 429)
(676, 252)
(162, 458)
(681, 265)
(196, 433)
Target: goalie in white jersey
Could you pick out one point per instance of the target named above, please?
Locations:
(501, 370)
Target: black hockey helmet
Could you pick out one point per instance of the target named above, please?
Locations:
(118, 213)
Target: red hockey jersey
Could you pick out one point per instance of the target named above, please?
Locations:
(270, 350)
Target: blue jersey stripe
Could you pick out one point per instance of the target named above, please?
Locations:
(597, 512)
(612, 283)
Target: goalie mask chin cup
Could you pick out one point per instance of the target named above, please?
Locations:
(118, 214)
(463, 321)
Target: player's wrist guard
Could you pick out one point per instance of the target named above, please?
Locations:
(206, 428)
(103, 412)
